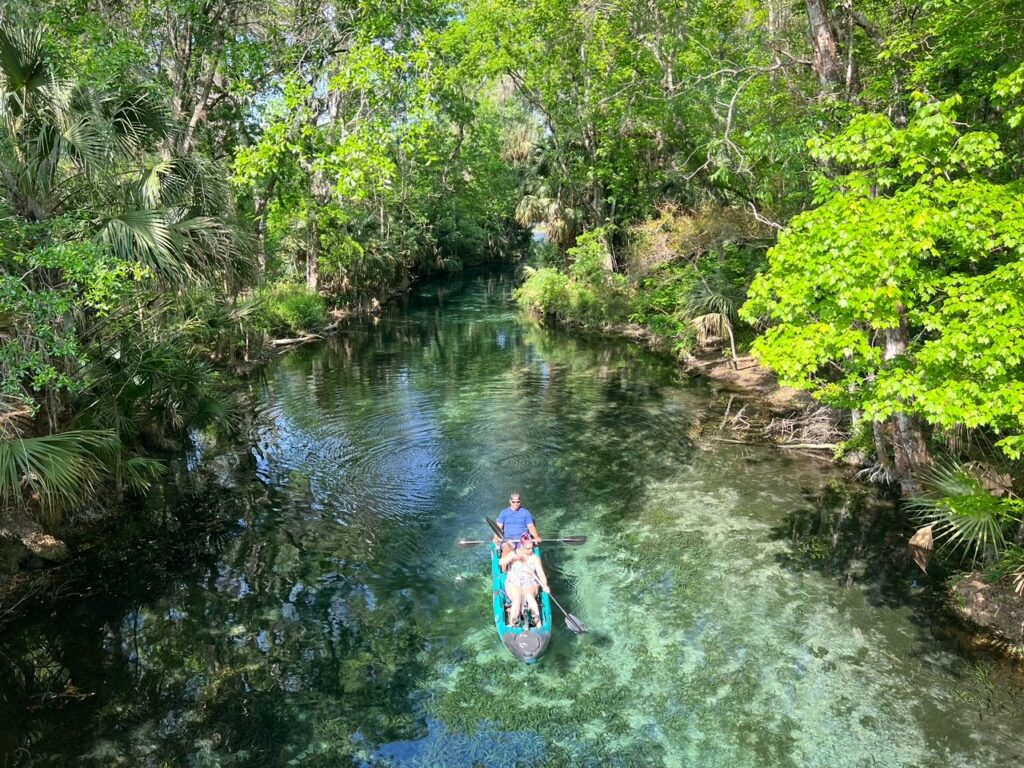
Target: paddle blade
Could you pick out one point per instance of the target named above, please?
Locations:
(495, 527)
(574, 625)
(571, 540)
(469, 543)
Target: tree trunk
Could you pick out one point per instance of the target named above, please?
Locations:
(852, 75)
(313, 256)
(261, 211)
(881, 438)
(828, 62)
(910, 447)
(197, 43)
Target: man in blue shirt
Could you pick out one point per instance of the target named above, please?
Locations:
(514, 521)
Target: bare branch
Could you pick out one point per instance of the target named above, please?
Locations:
(867, 25)
(766, 221)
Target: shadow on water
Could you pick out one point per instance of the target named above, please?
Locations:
(858, 538)
(56, 661)
(854, 536)
(190, 632)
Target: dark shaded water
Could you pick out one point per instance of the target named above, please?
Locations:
(299, 600)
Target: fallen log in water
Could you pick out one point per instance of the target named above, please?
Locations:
(297, 340)
(810, 446)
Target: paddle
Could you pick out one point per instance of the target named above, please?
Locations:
(572, 623)
(576, 540)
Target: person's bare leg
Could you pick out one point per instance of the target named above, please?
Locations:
(531, 601)
(516, 608)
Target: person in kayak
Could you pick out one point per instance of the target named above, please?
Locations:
(514, 521)
(525, 575)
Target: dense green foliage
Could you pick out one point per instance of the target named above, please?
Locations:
(588, 294)
(105, 227)
(291, 309)
(881, 147)
(915, 241)
(963, 514)
(182, 178)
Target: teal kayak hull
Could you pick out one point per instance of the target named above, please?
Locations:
(525, 643)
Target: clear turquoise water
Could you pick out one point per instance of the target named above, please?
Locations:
(297, 597)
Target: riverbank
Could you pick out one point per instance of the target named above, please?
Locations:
(34, 556)
(991, 612)
(993, 608)
(746, 374)
(26, 545)
(785, 417)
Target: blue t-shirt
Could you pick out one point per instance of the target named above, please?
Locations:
(515, 522)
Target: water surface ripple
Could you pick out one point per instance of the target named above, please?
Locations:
(299, 600)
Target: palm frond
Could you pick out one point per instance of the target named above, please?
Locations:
(54, 136)
(139, 473)
(244, 309)
(561, 227)
(200, 183)
(136, 120)
(217, 409)
(57, 471)
(150, 185)
(145, 236)
(73, 132)
(535, 209)
(964, 515)
(16, 411)
(23, 61)
(520, 145)
(711, 328)
(713, 310)
(708, 298)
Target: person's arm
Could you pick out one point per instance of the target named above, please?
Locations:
(542, 577)
(509, 557)
(532, 528)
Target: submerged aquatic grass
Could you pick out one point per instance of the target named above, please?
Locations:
(708, 650)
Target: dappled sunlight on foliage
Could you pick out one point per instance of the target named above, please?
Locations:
(590, 295)
(677, 235)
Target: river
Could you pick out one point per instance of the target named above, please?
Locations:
(294, 596)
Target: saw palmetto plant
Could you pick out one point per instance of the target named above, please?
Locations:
(964, 515)
(713, 312)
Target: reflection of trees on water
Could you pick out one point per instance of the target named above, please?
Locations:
(57, 671)
(846, 533)
(441, 353)
(579, 396)
(617, 430)
(273, 644)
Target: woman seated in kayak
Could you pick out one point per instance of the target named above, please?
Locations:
(525, 574)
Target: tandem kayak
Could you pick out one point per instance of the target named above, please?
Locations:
(526, 642)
